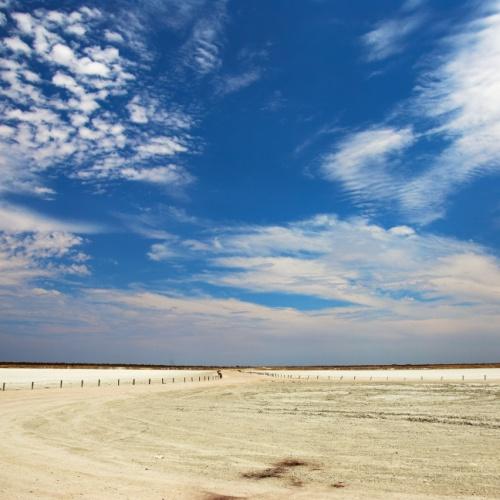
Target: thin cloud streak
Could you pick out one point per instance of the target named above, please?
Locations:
(389, 36)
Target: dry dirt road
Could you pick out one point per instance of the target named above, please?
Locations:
(253, 437)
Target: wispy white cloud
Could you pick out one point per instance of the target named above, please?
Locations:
(28, 257)
(233, 83)
(170, 175)
(14, 177)
(150, 221)
(113, 36)
(364, 162)
(161, 146)
(203, 48)
(456, 110)
(138, 112)
(352, 260)
(34, 247)
(14, 219)
(461, 95)
(38, 247)
(389, 36)
(161, 252)
(206, 51)
(275, 103)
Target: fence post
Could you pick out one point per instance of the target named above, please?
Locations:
(118, 381)
(60, 384)
(133, 381)
(81, 385)
(162, 382)
(99, 382)
(32, 385)
(149, 381)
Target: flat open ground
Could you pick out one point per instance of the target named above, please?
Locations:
(252, 436)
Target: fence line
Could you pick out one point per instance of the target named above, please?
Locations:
(386, 378)
(109, 382)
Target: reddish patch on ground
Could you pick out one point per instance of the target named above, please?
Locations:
(278, 469)
(340, 484)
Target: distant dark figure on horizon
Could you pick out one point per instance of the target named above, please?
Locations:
(219, 373)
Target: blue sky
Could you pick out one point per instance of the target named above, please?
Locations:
(250, 182)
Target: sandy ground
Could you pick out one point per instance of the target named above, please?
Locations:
(250, 436)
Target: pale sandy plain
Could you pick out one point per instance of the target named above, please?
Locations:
(256, 437)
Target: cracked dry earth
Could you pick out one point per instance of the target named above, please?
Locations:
(251, 437)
